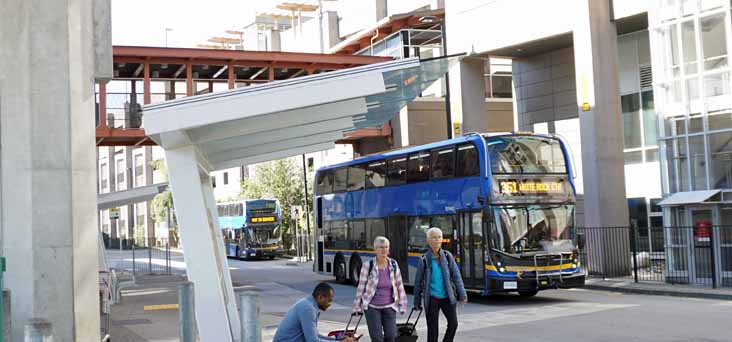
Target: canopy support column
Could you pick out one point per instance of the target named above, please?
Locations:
(216, 315)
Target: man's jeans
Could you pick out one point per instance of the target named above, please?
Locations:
(382, 324)
(433, 319)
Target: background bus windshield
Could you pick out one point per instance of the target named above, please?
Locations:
(525, 154)
(523, 229)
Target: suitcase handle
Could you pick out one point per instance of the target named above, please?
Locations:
(360, 315)
(414, 327)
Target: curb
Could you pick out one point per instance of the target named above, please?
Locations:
(659, 292)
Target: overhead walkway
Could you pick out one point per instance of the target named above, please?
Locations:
(129, 196)
(248, 125)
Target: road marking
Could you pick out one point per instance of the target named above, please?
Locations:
(160, 307)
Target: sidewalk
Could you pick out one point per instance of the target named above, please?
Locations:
(147, 311)
(659, 288)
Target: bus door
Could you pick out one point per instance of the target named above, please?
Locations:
(471, 248)
(396, 232)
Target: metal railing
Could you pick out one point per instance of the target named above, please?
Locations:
(700, 255)
(139, 256)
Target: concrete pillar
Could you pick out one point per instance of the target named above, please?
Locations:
(48, 201)
(148, 169)
(467, 96)
(204, 254)
(129, 184)
(400, 128)
(601, 129)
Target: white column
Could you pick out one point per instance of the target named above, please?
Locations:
(48, 195)
(203, 246)
(601, 130)
(467, 96)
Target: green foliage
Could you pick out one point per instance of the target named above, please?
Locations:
(160, 205)
(280, 179)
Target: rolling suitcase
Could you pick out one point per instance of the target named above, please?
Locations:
(406, 332)
(339, 334)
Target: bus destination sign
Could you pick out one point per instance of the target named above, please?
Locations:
(262, 219)
(514, 187)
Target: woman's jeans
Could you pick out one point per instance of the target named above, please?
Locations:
(382, 324)
(433, 319)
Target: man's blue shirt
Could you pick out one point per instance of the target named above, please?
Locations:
(301, 323)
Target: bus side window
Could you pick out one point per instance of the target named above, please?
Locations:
(467, 161)
(396, 171)
(418, 167)
(325, 182)
(357, 230)
(374, 228)
(340, 181)
(356, 177)
(418, 226)
(328, 236)
(375, 175)
(443, 163)
(319, 212)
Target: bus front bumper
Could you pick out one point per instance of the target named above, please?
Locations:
(566, 281)
(261, 253)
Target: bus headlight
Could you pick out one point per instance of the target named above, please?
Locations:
(574, 265)
(502, 269)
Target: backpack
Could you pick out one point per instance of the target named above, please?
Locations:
(393, 266)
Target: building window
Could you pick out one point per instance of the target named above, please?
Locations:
(630, 105)
(139, 170)
(104, 177)
(226, 178)
(213, 181)
(120, 173)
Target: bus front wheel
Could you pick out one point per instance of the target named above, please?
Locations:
(340, 271)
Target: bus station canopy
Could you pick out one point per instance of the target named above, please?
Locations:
(259, 123)
(290, 117)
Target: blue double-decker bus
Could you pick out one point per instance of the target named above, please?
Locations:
(251, 228)
(505, 203)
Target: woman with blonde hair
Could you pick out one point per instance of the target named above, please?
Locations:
(380, 293)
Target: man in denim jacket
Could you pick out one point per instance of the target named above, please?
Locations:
(438, 276)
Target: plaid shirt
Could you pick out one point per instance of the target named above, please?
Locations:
(367, 287)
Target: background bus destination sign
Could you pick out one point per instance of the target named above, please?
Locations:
(263, 219)
(530, 187)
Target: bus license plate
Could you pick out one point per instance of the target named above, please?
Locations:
(510, 285)
(252, 254)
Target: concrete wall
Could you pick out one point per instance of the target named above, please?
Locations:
(545, 88)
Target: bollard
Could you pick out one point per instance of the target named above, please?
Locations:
(186, 312)
(38, 330)
(251, 331)
(7, 314)
(2, 299)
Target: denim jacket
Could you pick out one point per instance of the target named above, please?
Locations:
(451, 274)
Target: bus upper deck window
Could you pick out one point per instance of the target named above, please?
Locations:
(467, 161)
(375, 174)
(443, 163)
(325, 182)
(340, 179)
(356, 177)
(396, 171)
(418, 167)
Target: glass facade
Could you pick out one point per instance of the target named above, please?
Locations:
(692, 90)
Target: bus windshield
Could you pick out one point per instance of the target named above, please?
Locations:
(530, 228)
(525, 154)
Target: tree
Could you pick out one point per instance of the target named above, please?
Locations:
(280, 179)
(162, 205)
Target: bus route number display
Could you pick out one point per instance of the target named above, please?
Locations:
(263, 219)
(530, 187)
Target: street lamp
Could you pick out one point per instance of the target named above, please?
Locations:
(167, 29)
(430, 19)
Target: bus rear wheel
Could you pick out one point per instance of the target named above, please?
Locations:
(528, 293)
(340, 271)
(355, 270)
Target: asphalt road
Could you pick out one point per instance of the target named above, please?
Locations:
(554, 315)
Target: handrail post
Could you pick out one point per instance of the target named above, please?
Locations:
(2, 299)
(634, 248)
(187, 318)
(38, 330)
(249, 315)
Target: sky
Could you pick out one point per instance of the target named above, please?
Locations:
(143, 22)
